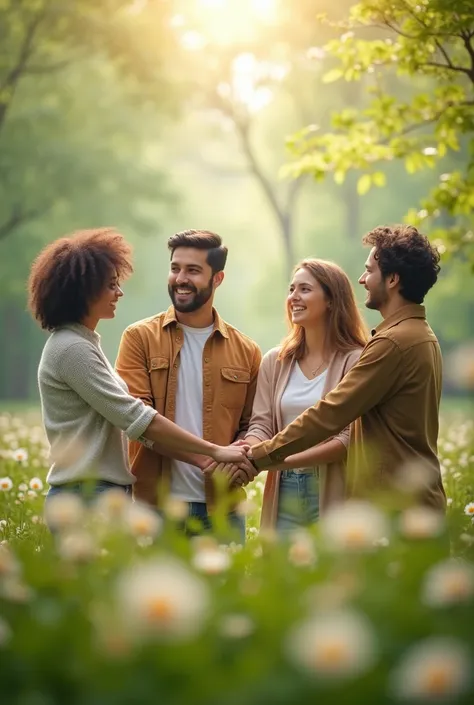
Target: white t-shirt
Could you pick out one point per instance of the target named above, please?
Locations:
(187, 481)
(300, 393)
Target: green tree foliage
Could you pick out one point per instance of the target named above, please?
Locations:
(415, 59)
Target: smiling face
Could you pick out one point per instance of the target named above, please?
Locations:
(105, 305)
(307, 302)
(191, 283)
(374, 283)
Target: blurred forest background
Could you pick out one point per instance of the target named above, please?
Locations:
(161, 115)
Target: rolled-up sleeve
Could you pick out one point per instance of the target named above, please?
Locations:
(86, 372)
(364, 386)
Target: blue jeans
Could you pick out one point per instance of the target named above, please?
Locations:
(298, 501)
(199, 522)
(88, 489)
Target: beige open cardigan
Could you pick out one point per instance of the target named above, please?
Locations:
(267, 421)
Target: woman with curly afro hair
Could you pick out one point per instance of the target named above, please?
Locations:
(87, 411)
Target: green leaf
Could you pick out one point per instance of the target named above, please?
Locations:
(364, 184)
(379, 179)
(333, 75)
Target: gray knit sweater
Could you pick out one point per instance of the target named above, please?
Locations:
(87, 411)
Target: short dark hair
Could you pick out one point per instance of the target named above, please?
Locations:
(403, 250)
(70, 273)
(202, 240)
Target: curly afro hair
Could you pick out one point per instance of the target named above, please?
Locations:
(72, 272)
(403, 250)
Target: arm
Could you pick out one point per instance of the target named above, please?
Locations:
(261, 424)
(85, 371)
(364, 386)
(249, 399)
(334, 451)
(132, 366)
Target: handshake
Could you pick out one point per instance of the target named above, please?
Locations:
(234, 467)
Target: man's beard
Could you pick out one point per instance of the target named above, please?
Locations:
(376, 299)
(201, 297)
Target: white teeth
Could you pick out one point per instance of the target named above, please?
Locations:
(295, 309)
(183, 291)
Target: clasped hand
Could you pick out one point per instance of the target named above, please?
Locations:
(237, 473)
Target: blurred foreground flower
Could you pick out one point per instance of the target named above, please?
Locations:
(437, 668)
(5, 484)
(211, 560)
(339, 644)
(175, 509)
(421, 523)
(63, 511)
(236, 626)
(77, 546)
(9, 566)
(447, 583)
(302, 550)
(354, 525)
(110, 506)
(142, 521)
(162, 599)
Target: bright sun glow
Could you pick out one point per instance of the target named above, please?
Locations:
(226, 21)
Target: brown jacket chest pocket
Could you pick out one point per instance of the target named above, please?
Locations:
(234, 384)
(158, 369)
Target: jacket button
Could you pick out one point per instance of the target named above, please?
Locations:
(206, 359)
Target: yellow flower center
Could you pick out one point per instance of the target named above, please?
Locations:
(355, 536)
(331, 654)
(159, 610)
(437, 680)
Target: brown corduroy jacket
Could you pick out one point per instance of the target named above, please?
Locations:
(392, 395)
(148, 361)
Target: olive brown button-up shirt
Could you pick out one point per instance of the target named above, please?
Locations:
(148, 361)
(391, 397)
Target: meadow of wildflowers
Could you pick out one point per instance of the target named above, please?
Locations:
(119, 608)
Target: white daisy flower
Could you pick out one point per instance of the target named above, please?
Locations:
(36, 484)
(63, 511)
(5, 484)
(3, 524)
(302, 550)
(334, 645)
(354, 525)
(112, 504)
(436, 668)
(23, 487)
(469, 509)
(246, 508)
(175, 509)
(212, 561)
(77, 546)
(20, 455)
(142, 521)
(421, 523)
(162, 599)
(449, 582)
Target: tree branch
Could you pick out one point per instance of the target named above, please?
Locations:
(14, 75)
(18, 217)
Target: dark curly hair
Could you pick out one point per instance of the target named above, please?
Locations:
(72, 272)
(202, 240)
(403, 250)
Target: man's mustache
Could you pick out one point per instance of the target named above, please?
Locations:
(191, 288)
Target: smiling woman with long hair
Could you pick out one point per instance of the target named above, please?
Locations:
(87, 410)
(325, 340)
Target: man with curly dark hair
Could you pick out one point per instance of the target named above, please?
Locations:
(391, 396)
(87, 410)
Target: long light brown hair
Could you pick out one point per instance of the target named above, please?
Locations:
(346, 329)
